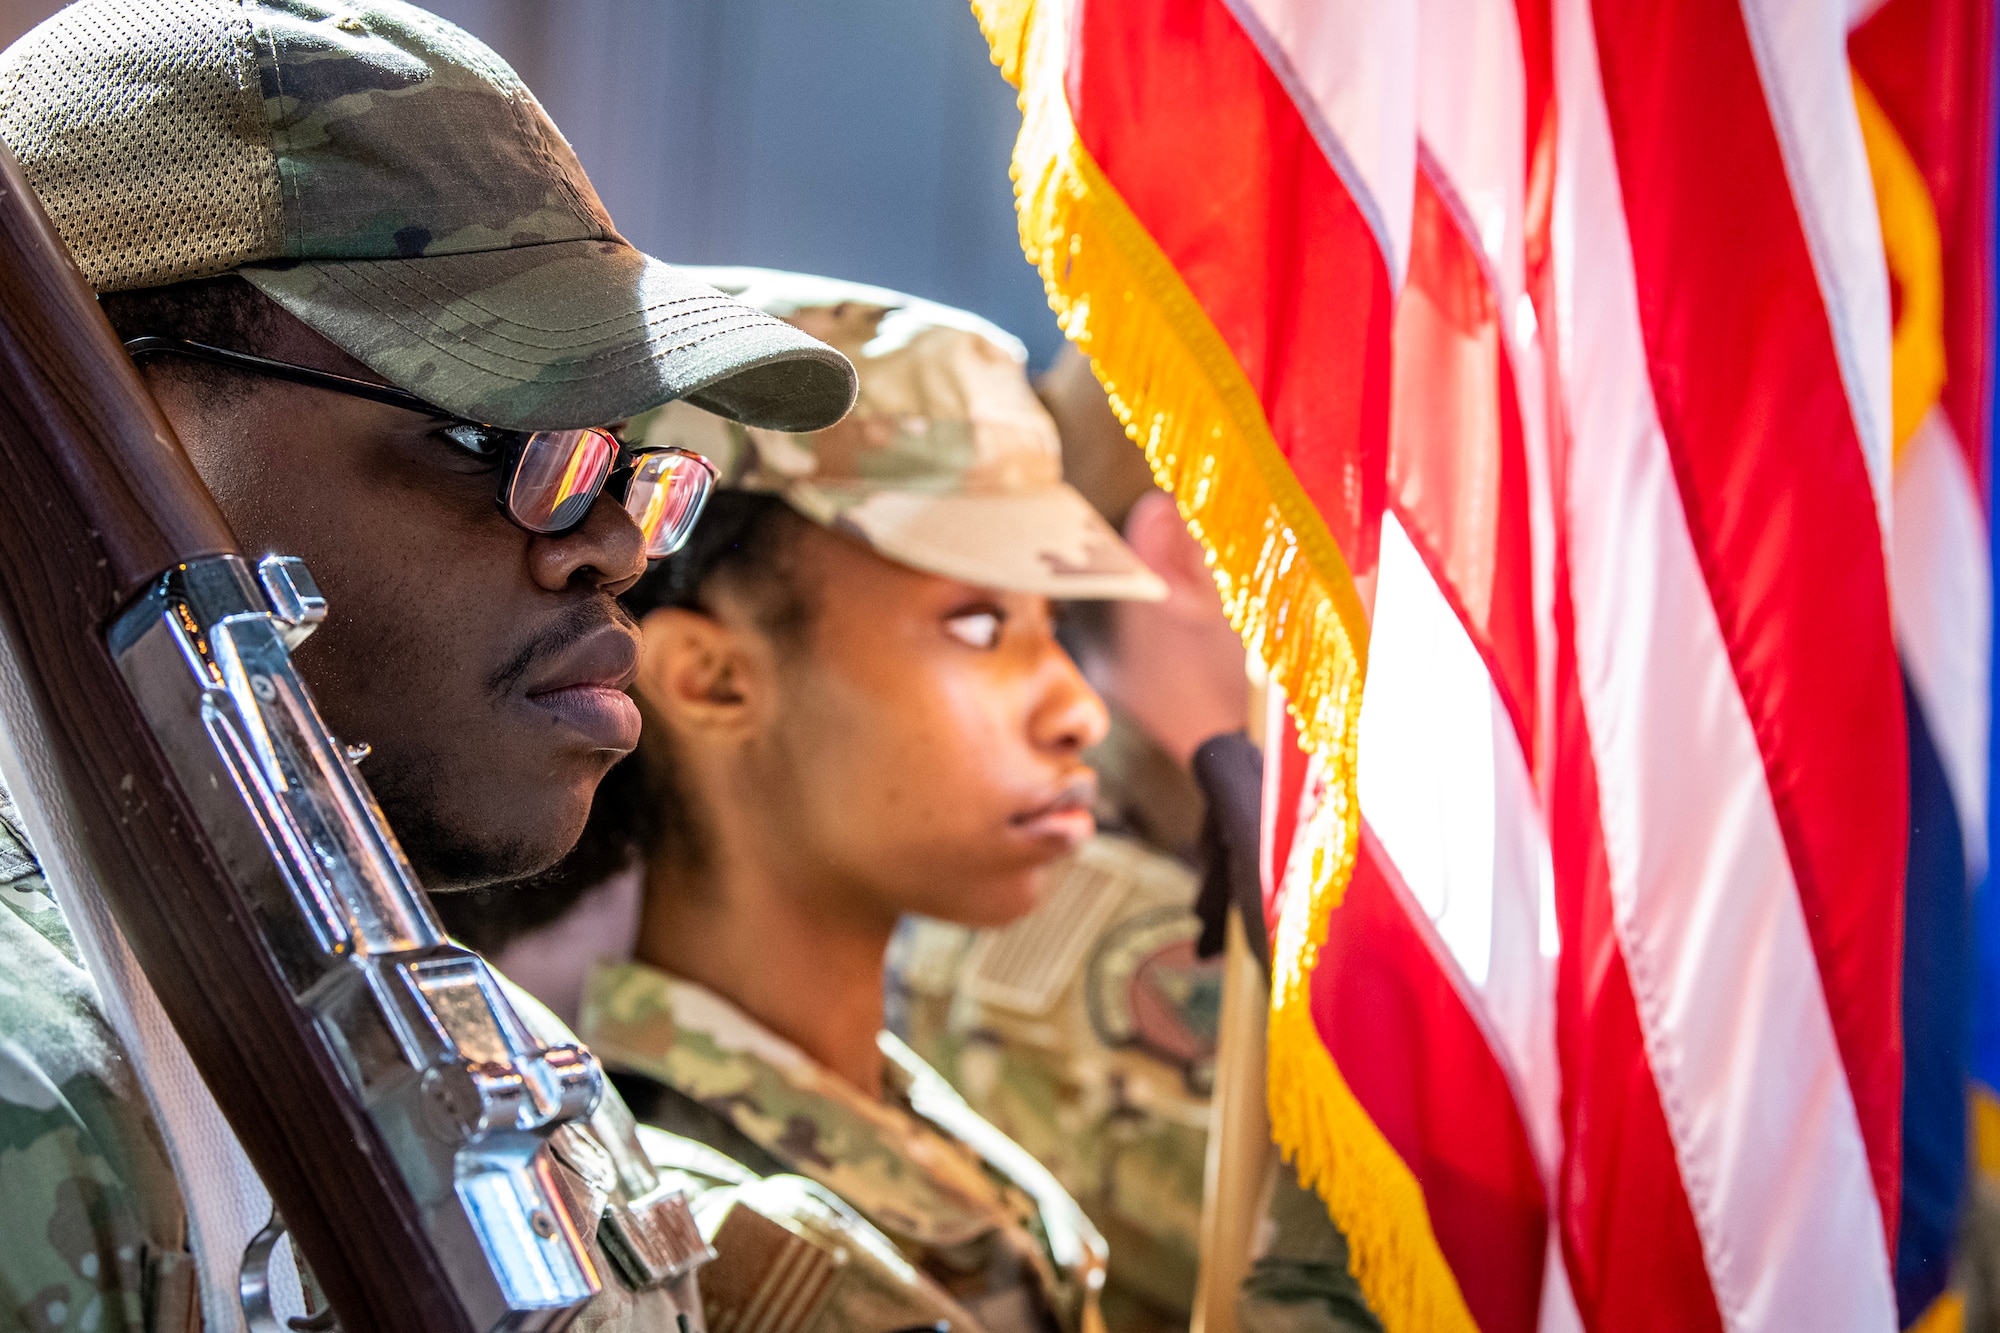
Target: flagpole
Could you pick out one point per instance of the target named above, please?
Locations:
(1239, 1135)
(1239, 1140)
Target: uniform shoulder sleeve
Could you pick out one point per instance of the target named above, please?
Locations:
(72, 1247)
(91, 1206)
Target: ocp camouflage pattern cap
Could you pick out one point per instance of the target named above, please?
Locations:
(389, 180)
(948, 463)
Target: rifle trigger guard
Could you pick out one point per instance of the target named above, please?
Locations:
(253, 1285)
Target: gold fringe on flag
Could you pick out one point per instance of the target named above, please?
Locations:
(1288, 591)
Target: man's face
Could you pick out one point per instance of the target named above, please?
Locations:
(484, 664)
(921, 748)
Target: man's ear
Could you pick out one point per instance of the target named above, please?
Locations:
(699, 673)
(1155, 532)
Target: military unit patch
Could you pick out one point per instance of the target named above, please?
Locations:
(767, 1280)
(1146, 989)
(1026, 966)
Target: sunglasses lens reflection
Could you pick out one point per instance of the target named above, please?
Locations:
(560, 474)
(666, 496)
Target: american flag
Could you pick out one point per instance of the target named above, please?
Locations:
(1607, 384)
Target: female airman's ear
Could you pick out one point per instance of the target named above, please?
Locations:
(698, 673)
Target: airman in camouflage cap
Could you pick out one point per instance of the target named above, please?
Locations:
(387, 181)
(868, 714)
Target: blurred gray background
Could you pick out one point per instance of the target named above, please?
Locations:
(866, 139)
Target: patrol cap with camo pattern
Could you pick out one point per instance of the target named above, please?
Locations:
(390, 181)
(948, 462)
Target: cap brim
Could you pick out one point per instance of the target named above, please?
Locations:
(1047, 541)
(572, 333)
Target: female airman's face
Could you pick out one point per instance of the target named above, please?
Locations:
(918, 749)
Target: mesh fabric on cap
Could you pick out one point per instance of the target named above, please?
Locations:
(388, 181)
(208, 199)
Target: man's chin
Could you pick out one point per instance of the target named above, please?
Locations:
(455, 865)
(454, 850)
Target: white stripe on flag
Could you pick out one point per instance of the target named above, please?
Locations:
(1558, 1313)
(1707, 914)
(1801, 50)
(1472, 114)
(1445, 789)
(1351, 68)
(1943, 588)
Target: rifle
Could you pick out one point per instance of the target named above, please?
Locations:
(392, 1102)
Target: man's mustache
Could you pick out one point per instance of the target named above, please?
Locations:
(573, 625)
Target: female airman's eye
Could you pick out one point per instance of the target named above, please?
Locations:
(975, 629)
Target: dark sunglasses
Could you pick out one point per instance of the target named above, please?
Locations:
(548, 478)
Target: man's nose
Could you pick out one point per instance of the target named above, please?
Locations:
(605, 551)
(1070, 717)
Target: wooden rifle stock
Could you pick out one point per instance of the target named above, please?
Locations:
(99, 502)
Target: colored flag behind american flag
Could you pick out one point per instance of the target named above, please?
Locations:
(1606, 382)
(1922, 73)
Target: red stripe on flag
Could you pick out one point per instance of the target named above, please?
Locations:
(1423, 1069)
(1930, 65)
(1183, 116)
(1458, 472)
(1634, 1257)
(1539, 91)
(1777, 498)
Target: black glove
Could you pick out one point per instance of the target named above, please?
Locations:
(1230, 772)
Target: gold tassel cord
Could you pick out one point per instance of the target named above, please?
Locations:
(1288, 591)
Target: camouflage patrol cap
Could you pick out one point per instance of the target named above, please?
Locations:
(948, 463)
(389, 180)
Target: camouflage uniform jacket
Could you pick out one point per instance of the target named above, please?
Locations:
(1086, 1031)
(94, 1236)
(978, 1216)
(791, 1256)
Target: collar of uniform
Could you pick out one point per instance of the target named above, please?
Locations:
(1073, 1239)
(1143, 792)
(907, 1174)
